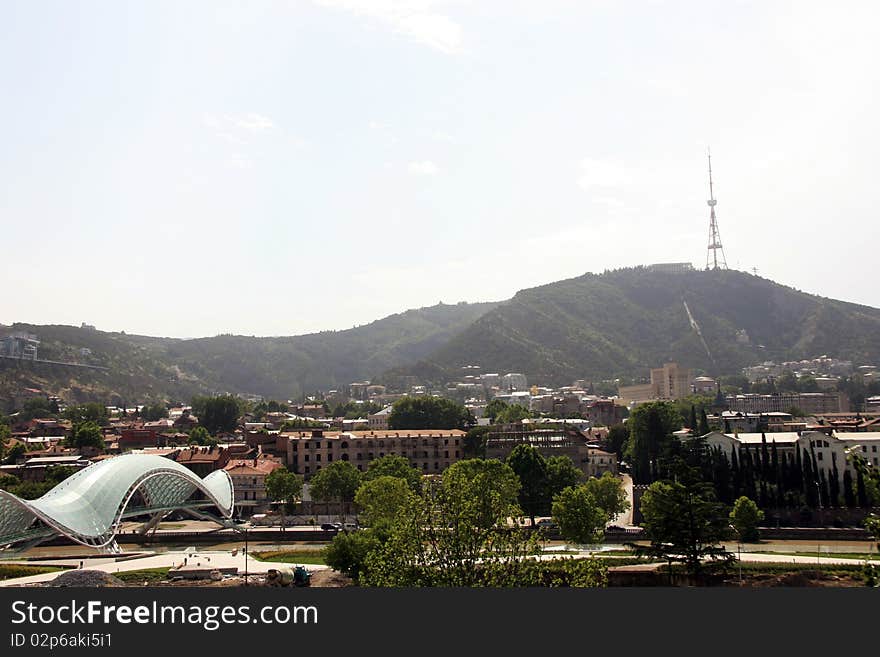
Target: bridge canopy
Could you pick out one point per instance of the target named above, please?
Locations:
(89, 506)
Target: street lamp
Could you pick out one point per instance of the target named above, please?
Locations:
(738, 553)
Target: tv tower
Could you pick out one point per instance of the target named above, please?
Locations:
(714, 235)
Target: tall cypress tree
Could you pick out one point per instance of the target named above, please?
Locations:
(735, 474)
(834, 482)
(849, 495)
(861, 492)
(776, 470)
(751, 490)
(692, 425)
(810, 492)
(704, 422)
(765, 458)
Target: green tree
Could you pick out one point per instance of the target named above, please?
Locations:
(91, 412)
(15, 452)
(337, 481)
(609, 494)
(199, 436)
(684, 523)
(494, 408)
(429, 413)
(153, 412)
(561, 473)
(284, 486)
(531, 468)
(392, 465)
(37, 407)
(217, 414)
(650, 436)
(474, 443)
(618, 434)
(348, 552)
(86, 434)
(512, 414)
(456, 533)
(579, 516)
(381, 499)
(745, 518)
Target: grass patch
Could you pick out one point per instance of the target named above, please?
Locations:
(862, 556)
(148, 575)
(311, 557)
(13, 571)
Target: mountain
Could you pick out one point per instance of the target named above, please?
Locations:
(623, 322)
(140, 367)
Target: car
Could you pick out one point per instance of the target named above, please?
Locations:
(331, 526)
(547, 523)
(615, 528)
(351, 526)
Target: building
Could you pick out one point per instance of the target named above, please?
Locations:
(514, 381)
(379, 421)
(672, 381)
(704, 385)
(567, 441)
(203, 460)
(19, 345)
(430, 451)
(672, 267)
(249, 482)
(811, 403)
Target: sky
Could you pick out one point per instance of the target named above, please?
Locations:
(193, 168)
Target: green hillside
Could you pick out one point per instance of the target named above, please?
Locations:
(622, 322)
(140, 367)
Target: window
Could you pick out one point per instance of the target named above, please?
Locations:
(360, 457)
(317, 457)
(446, 441)
(874, 448)
(360, 467)
(864, 448)
(329, 457)
(307, 468)
(317, 445)
(819, 456)
(307, 458)
(424, 466)
(456, 453)
(381, 454)
(446, 455)
(344, 445)
(345, 457)
(436, 465)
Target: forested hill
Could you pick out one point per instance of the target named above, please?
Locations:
(622, 322)
(142, 367)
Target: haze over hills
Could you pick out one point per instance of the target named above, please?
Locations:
(595, 326)
(141, 367)
(623, 322)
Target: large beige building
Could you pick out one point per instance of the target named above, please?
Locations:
(430, 451)
(668, 382)
(567, 441)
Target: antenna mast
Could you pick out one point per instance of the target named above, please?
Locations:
(714, 235)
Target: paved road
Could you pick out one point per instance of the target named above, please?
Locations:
(625, 519)
(207, 559)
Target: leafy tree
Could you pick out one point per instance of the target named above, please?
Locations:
(381, 499)
(217, 414)
(199, 436)
(579, 516)
(512, 414)
(86, 434)
(474, 443)
(494, 408)
(618, 434)
(348, 552)
(456, 533)
(9, 482)
(429, 413)
(561, 473)
(650, 435)
(531, 468)
(794, 411)
(703, 424)
(91, 412)
(36, 407)
(284, 486)
(609, 495)
(15, 452)
(745, 518)
(337, 481)
(153, 412)
(392, 465)
(684, 522)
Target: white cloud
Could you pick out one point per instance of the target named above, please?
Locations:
(423, 168)
(412, 18)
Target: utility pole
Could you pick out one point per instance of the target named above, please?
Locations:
(714, 236)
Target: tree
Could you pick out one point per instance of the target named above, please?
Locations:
(37, 407)
(684, 523)
(348, 552)
(512, 414)
(618, 434)
(650, 436)
(199, 436)
(392, 465)
(745, 518)
(284, 486)
(561, 473)
(531, 468)
(429, 413)
(579, 516)
(703, 426)
(15, 452)
(609, 494)
(153, 412)
(91, 412)
(86, 434)
(217, 414)
(338, 481)
(474, 443)
(494, 408)
(456, 533)
(381, 499)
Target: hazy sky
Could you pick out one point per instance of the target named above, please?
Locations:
(272, 168)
